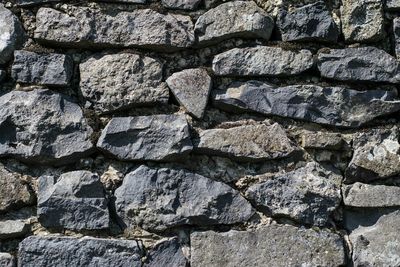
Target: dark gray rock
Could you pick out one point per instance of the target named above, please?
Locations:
(166, 253)
(156, 137)
(7, 260)
(75, 201)
(158, 199)
(181, 4)
(12, 229)
(44, 69)
(311, 22)
(37, 251)
(396, 32)
(273, 245)
(2, 75)
(336, 106)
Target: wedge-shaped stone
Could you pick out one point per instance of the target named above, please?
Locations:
(166, 253)
(12, 229)
(158, 199)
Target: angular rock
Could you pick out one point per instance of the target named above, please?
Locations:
(359, 64)
(75, 201)
(274, 245)
(7, 260)
(181, 4)
(262, 61)
(323, 140)
(191, 88)
(158, 199)
(396, 32)
(12, 229)
(233, 19)
(25, 3)
(42, 126)
(44, 69)
(112, 82)
(336, 106)
(91, 252)
(156, 137)
(392, 4)
(85, 27)
(166, 253)
(312, 22)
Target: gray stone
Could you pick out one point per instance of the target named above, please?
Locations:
(181, 4)
(7, 260)
(311, 22)
(273, 245)
(119, 81)
(158, 199)
(26, 3)
(12, 229)
(191, 88)
(156, 137)
(86, 27)
(37, 251)
(323, 140)
(262, 61)
(166, 253)
(336, 106)
(42, 126)
(234, 19)
(362, 20)
(396, 32)
(75, 201)
(44, 69)
(392, 4)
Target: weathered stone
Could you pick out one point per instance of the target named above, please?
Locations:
(247, 143)
(311, 22)
(323, 140)
(262, 61)
(25, 3)
(7, 260)
(118, 81)
(336, 106)
(91, 252)
(42, 126)
(181, 4)
(191, 88)
(43, 69)
(234, 19)
(158, 199)
(166, 253)
(157, 137)
(273, 245)
(75, 201)
(85, 27)
(362, 20)
(12, 229)
(392, 4)
(396, 32)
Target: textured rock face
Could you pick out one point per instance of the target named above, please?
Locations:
(323, 140)
(181, 4)
(234, 19)
(42, 126)
(273, 244)
(262, 61)
(112, 82)
(396, 32)
(157, 199)
(92, 252)
(7, 260)
(157, 137)
(11, 229)
(139, 28)
(75, 201)
(166, 253)
(392, 4)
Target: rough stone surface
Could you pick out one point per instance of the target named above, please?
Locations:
(392, 4)
(191, 88)
(157, 137)
(181, 4)
(166, 253)
(12, 229)
(112, 82)
(262, 61)
(323, 140)
(396, 32)
(276, 245)
(7, 260)
(157, 199)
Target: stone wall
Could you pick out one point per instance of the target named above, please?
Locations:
(199, 133)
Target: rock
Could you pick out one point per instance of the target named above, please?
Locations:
(233, 19)
(75, 201)
(156, 137)
(44, 69)
(112, 82)
(91, 252)
(336, 106)
(7, 260)
(276, 245)
(392, 5)
(166, 253)
(191, 87)
(26, 3)
(261, 61)
(396, 32)
(359, 64)
(158, 199)
(85, 28)
(312, 22)
(181, 4)
(42, 126)
(2, 75)
(323, 140)
(12, 229)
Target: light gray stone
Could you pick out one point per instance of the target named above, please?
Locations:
(12, 229)
(323, 140)
(392, 4)
(7, 260)
(181, 4)
(166, 253)
(396, 32)
(26, 3)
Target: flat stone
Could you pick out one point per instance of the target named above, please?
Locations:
(312, 22)
(166, 253)
(262, 61)
(120, 81)
(25, 3)
(76, 200)
(275, 245)
(191, 87)
(44, 69)
(181, 4)
(85, 27)
(158, 199)
(42, 126)
(12, 229)
(392, 4)
(67, 251)
(323, 140)
(233, 19)
(156, 137)
(7, 260)
(396, 32)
